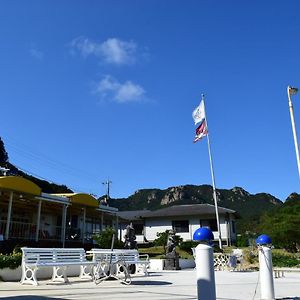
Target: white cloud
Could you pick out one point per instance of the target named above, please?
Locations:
(39, 55)
(110, 88)
(111, 51)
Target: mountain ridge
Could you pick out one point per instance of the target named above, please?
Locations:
(249, 207)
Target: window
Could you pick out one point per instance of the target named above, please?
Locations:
(210, 223)
(180, 226)
(138, 229)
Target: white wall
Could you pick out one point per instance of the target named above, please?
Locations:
(155, 225)
(194, 225)
(152, 226)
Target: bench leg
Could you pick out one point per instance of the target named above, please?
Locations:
(83, 272)
(278, 273)
(120, 272)
(29, 275)
(60, 277)
(143, 268)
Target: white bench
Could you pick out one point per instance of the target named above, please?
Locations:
(58, 258)
(128, 257)
(279, 272)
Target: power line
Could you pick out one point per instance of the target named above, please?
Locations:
(83, 190)
(42, 160)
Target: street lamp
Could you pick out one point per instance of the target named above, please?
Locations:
(293, 91)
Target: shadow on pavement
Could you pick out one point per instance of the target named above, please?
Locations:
(31, 297)
(288, 298)
(148, 282)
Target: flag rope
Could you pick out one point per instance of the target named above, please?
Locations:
(206, 132)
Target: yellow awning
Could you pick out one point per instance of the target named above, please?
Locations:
(81, 198)
(19, 184)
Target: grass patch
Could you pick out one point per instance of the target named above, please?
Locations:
(159, 252)
(282, 258)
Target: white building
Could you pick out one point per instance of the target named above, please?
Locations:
(184, 219)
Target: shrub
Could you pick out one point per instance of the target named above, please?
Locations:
(283, 260)
(104, 239)
(11, 261)
(162, 239)
(188, 245)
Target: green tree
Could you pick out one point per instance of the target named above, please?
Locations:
(282, 225)
(104, 239)
(3, 153)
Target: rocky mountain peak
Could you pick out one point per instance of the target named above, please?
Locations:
(240, 191)
(174, 194)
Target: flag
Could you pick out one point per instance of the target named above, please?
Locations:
(199, 113)
(201, 131)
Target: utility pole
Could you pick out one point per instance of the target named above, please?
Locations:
(107, 183)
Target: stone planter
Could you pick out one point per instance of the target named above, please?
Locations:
(187, 263)
(157, 264)
(7, 274)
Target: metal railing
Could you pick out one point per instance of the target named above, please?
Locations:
(27, 231)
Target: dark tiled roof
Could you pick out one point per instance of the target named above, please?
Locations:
(176, 210)
(133, 214)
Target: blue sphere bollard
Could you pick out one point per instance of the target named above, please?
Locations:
(206, 287)
(265, 267)
(263, 239)
(203, 234)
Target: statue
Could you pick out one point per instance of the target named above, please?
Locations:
(130, 243)
(130, 238)
(171, 261)
(171, 245)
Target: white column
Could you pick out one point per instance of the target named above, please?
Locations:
(9, 215)
(266, 273)
(38, 220)
(83, 224)
(63, 224)
(206, 287)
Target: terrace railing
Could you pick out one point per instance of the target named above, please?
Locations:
(27, 231)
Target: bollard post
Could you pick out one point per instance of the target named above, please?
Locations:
(206, 287)
(265, 267)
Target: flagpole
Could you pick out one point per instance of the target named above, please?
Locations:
(213, 179)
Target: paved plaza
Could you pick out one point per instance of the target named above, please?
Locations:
(159, 285)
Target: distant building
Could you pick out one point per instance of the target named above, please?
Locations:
(30, 217)
(184, 219)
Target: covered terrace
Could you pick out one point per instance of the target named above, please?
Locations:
(30, 217)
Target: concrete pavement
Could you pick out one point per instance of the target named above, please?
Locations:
(170, 285)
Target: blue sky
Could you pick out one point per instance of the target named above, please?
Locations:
(92, 90)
